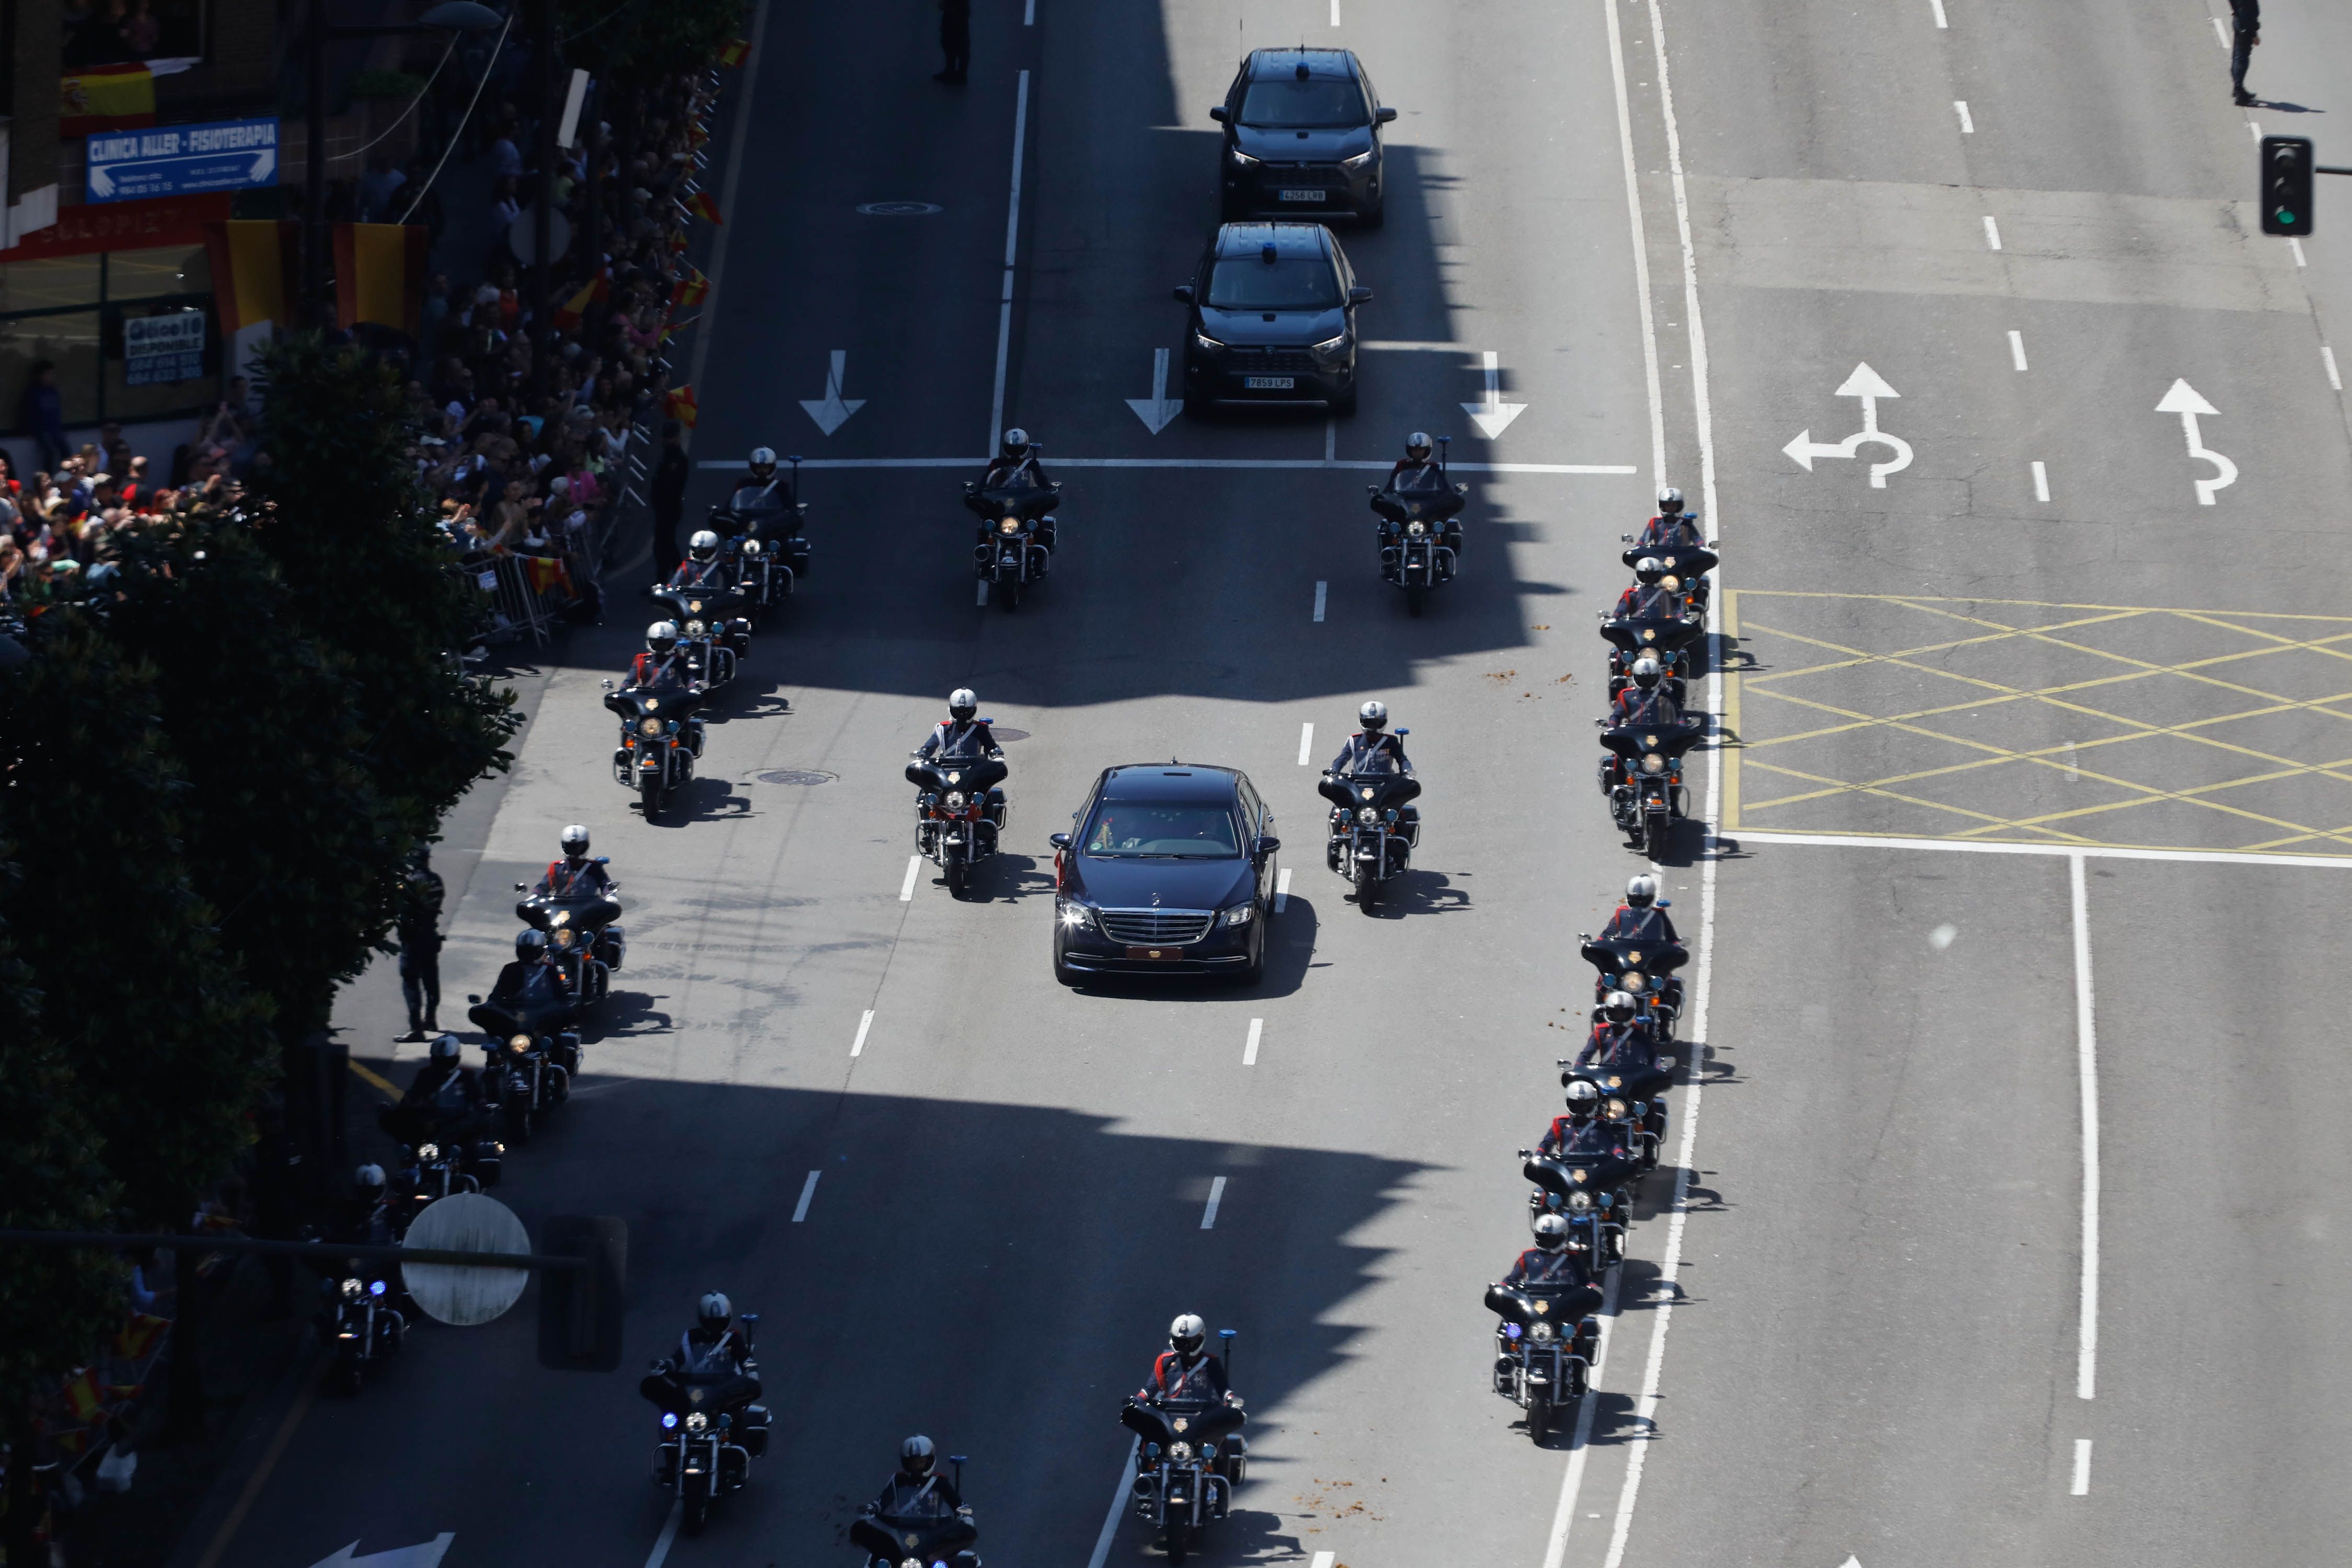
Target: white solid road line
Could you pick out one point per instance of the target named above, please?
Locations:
(858, 1045)
(1967, 126)
(1571, 1481)
(1119, 1503)
(1937, 7)
(1305, 742)
(1322, 592)
(1249, 1052)
(1334, 12)
(2329, 354)
(1330, 439)
(1216, 1196)
(2041, 482)
(1324, 1559)
(1640, 250)
(1243, 465)
(2017, 349)
(2221, 32)
(907, 888)
(979, 595)
(1992, 232)
(1282, 891)
(1011, 247)
(2295, 245)
(2086, 1060)
(2093, 852)
(1029, 14)
(669, 1534)
(808, 1191)
(2082, 1487)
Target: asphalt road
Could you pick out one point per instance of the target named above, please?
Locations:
(1877, 1258)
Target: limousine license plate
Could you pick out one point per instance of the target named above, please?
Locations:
(1306, 195)
(1270, 382)
(1165, 954)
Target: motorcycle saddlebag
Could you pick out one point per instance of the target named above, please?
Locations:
(612, 946)
(751, 1429)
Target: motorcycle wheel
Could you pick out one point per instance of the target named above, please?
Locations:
(1413, 600)
(1179, 1541)
(1368, 888)
(350, 1374)
(649, 796)
(959, 873)
(1653, 837)
(518, 1120)
(1538, 1419)
(698, 1514)
(1009, 596)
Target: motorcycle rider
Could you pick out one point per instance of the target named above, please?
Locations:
(1015, 466)
(701, 568)
(1371, 750)
(531, 959)
(1186, 1370)
(575, 876)
(917, 1490)
(1640, 918)
(1557, 1269)
(1583, 1104)
(961, 737)
(1650, 598)
(1418, 471)
(761, 491)
(1673, 528)
(661, 664)
(713, 1344)
(1652, 701)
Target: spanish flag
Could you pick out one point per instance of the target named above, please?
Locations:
(380, 275)
(106, 98)
(696, 134)
(737, 51)
(692, 289)
(702, 206)
(595, 291)
(254, 261)
(137, 1336)
(678, 404)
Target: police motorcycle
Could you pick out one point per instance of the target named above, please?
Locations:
(1543, 1361)
(445, 1147)
(759, 527)
(1190, 1457)
(714, 630)
(533, 1051)
(1589, 1183)
(1686, 565)
(961, 815)
(1643, 777)
(1665, 637)
(358, 1324)
(1630, 1085)
(713, 1427)
(1017, 533)
(582, 940)
(1643, 970)
(660, 739)
(1374, 827)
(1420, 542)
(940, 1538)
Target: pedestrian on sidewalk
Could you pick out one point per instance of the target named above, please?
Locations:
(2245, 32)
(419, 929)
(955, 40)
(669, 498)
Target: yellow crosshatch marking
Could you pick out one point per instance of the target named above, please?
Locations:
(2013, 720)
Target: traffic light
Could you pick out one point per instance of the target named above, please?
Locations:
(2287, 167)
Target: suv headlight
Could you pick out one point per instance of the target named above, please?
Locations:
(1241, 914)
(1360, 162)
(1206, 343)
(1242, 159)
(1076, 916)
(1332, 345)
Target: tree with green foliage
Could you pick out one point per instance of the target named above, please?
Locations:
(642, 40)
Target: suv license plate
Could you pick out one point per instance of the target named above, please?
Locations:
(1270, 382)
(1164, 954)
(1305, 195)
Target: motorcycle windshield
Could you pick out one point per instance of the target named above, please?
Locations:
(1615, 954)
(1169, 1421)
(539, 909)
(1528, 1305)
(1027, 503)
(955, 773)
(1635, 742)
(1652, 634)
(1685, 561)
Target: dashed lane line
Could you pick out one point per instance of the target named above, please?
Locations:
(1216, 1198)
(808, 1194)
(1249, 1052)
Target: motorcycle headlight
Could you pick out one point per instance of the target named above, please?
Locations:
(694, 628)
(1368, 815)
(1204, 342)
(563, 938)
(351, 1290)
(1632, 983)
(519, 1043)
(1616, 1110)
(955, 800)
(1241, 914)
(1580, 1202)
(649, 727)
(696, 1422)
(1542, 1333)
(1415, 528)
(751, 547)
(1179, 1450)
(1654, 763)
(428, 1150)
(1011, 525)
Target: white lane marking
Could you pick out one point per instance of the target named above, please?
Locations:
(2255, 129)
(1331, 439)
(1158, 411)
(1967, 126)
(1571, 1481)
(1011, 247)
(1029, 14)
(2082, 1487)
(1324, 1559)
(1334, 12)
(2329, 354)
(2041, 482)
(424, 1554)
(2074, 773)
(2086, 1058)
(858, 1045)
(2295, 245)
(1322, 592)
(1937, 7)
(1249, 1052)
(2017, 349)
(1244, 465)
(832, 411)
(1119, 1505)
(1491, 414)
(1983, 846)
(980, 592)
(668, 1534)
(1704, 428)
(2221, 32)
(1305, 742)
(808, 1191)
(1868, 385)
(1216, 1196)
(914, 864)
(1282, 891)
(2190, 404)
(1640, 250)
(1992, 232)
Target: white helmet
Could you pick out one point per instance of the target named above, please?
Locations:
(1373, 716)
(1016, 442)
(661, 637)
(1670, 502)
(1551, 1232)
(575, 840)
(714, 1310)
(1642, 892)
(763, 463)
(1646, 671)
(1584, 1095)
(1649, 569)
(1416, 446)
(1618, 1007)
(368, 1178)
(962, 703)
(445, 1047)
(1187, 1334)
(703, 546)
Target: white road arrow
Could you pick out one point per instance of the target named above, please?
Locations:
(2184, 400)
(833, 410)
(1870, 386)
(1157, 410)
(1493, 416)
(425, 1554)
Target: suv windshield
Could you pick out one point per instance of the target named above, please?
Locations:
(1186, 830)
(1316, 104)
(1286, 283)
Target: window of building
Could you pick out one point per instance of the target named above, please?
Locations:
(70, 312)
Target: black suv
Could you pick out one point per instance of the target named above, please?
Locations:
(1302, 137)
(1171, 872)
(1273, 319)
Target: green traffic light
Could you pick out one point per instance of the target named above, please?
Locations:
(2286, 218)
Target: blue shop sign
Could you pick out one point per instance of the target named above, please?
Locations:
(182, 160)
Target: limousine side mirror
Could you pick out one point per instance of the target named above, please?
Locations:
(1058, 840)
(1360, 295)
(1265, 847)
(1385, 115)
(1218, 114)
(1183, 293)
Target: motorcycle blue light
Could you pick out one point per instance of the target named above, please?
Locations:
(669, 1418)
(1510, 1330)
(376, 1286)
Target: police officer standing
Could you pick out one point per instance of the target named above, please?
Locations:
(419, 931)
(955, 40)
(2246, 31)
